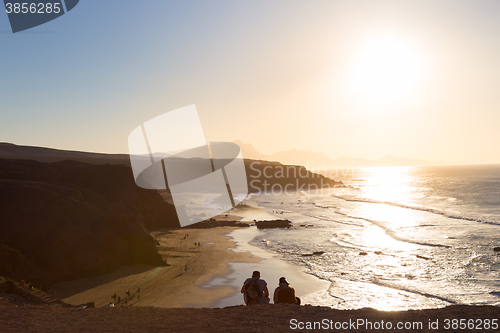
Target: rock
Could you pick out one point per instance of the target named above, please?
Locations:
(363, 253)
(317, 253)
(213, 223)
(496, 249)
(273, 224)
(422, 257)
(378, 252)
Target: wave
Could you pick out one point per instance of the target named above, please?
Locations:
(388, 231)
(379, 224)
(390, 286)
(417, 292)
(391, 233)
(418, 208)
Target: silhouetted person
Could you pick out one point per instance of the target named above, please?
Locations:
(284, 293)
(255, 290)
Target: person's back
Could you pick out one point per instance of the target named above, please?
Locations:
(255, 290)
(284, 293)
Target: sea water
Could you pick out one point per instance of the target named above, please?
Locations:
(397, 238)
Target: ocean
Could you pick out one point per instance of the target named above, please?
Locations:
(398, 238)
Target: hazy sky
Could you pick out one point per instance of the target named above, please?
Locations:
(356, 78)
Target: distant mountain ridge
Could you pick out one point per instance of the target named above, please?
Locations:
(306, 158)
(313, 159)
(42, 154)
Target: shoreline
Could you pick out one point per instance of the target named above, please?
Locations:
(271, 268)
(173, 285)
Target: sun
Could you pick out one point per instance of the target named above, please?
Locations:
(385, 69)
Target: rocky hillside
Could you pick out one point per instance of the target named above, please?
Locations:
(68, 220)
(279, 178)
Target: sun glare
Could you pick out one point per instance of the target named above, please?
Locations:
(385, 69)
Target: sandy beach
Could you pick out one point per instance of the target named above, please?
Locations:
(216, 270)
(168, 286)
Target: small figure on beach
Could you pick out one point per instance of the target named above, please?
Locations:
(119, 299)
(125, 301)
(111, 305)
(138, 296)
(186, 267)
(138, 290)
(255, 290)
(284, 293)
(199, 244)
(114, 297)
(23, 283)
(127, 293)
(30, 286)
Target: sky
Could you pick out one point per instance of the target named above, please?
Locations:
(416, 79)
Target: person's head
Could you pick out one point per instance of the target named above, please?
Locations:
(256, 274)
(283, 281)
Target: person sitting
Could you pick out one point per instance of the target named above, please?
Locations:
(284, 293)
(255, 290)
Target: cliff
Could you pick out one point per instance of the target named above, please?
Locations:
(69, 220)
